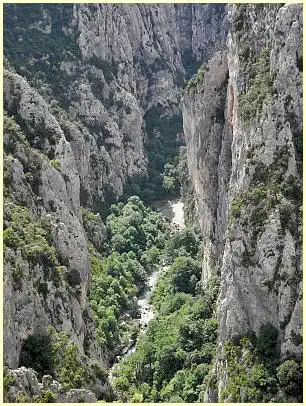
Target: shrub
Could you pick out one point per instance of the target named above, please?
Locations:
(133, 227)
(13, 135)
(71, 368)
(290, 377)
(185, 274)
(8, 381)
(22, 398)
(252, 372)
(196, 80)
(260, 85)
(56, 164)
(46, 397)
(267, 343)
(36, 353)
(115, 283)
(60, 272)
(183, 243)
(260, 201)
(245, 373)
(30, 234)
(11, 239)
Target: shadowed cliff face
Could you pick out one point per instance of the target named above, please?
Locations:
(209, 156)
(245, 166)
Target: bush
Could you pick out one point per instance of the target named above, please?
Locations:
(196, 80)
(22, 398)
(13, 135)
(115, 282)
(36, 353)
(8, 381)
(56, 164)
(30, 234)
(290, 377)
(259, 201)
(182, 243)
(133, 227)
(185, 274)
(72, 369)
(252, 373)
(53, 354)
(260, 85)
(11, 239)
(267, 343)
(46, 397)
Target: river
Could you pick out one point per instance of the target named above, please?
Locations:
(173, 211)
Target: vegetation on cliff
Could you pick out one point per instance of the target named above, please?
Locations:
(255, 371)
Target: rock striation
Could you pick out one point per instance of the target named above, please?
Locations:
(243, 131)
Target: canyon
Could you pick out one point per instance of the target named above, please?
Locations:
(198, 102)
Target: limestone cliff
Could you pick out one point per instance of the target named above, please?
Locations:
(243, 129)
(111, 68)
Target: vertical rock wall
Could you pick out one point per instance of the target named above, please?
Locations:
(243, 131)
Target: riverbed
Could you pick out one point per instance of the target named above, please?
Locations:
(173, 211)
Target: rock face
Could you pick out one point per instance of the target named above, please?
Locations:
(208, 156)
(81, 83)
(55, 196)
(243, 130)
(109, 79)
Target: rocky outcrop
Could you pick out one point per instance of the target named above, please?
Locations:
(24, 387)
(53, 195)
(207, 156)
(243, 131)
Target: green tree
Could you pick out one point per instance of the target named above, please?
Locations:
(290, 377)
(185, 274)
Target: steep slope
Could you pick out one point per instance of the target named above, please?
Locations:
(243, 130)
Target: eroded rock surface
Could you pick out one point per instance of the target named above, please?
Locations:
(27, 388)
(243, 130)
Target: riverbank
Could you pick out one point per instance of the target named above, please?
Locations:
(173, 352)
(172, 210)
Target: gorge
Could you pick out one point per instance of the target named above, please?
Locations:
(109, 110)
